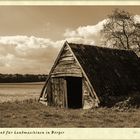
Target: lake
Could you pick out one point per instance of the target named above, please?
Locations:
(19, 91)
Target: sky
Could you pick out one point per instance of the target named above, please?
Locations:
(31, 36)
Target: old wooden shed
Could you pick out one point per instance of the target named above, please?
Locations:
(85, 76)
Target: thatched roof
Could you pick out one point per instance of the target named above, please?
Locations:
(110, 71)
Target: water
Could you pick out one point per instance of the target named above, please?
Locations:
(19, 91)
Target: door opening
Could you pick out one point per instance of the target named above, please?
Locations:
(74, 92)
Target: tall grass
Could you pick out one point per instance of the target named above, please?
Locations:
(30, 113)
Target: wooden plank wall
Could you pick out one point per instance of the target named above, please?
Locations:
(67, 66)
(48, 93)
(88, 100)
(58, 91)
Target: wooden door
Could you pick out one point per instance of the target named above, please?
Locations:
(58, 92)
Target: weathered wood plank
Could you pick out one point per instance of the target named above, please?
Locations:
(67, 63)
(61, 91)
(66, 58)
(88, 100)
(68, 71)
(57, 91)
(49, 93)
(53, 89)
(65, 94)
(66, 54)
(66, 74)
(66, 48)
(69, 68)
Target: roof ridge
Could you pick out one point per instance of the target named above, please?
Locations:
(101, 47)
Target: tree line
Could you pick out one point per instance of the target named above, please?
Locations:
(20, 78)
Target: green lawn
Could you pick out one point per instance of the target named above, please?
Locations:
(30, 113)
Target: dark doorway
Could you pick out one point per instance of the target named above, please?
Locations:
(74, 92)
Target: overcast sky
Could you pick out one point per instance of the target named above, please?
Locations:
(31, 36)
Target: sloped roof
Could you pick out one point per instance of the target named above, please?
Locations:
(110, 71)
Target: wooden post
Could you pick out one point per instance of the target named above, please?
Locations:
(65, 93)
(82, 93)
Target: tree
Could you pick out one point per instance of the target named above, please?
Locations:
(121, 31)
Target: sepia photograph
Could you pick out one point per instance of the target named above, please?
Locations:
(69, 66)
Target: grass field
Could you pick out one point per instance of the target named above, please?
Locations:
(19, 108)
(19, 91)
(30, 113)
